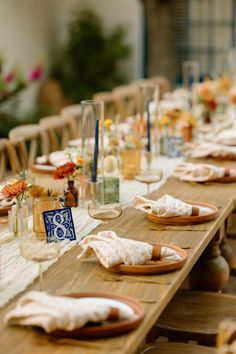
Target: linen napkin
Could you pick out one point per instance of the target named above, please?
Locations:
(168, 206)
(57, 312)
(201, 172)
(112, 250)
(226, 137)
(201, 149)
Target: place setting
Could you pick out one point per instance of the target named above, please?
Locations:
(171, 211)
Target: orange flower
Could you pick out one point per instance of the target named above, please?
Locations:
(65, 170)
(15, 189)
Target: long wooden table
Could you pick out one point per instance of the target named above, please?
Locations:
(69, 275)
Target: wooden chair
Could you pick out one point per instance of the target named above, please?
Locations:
(161, 81)
(163, 84)
(226, 343)
(194, 315)
(125, 100)
(29, 140)
(109, 104)
(59, 132)
(72, 114)
(8, 153)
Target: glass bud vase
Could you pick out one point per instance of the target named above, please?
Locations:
(71, 195)
(18, 220)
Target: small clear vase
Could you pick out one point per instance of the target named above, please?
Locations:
(18, 220)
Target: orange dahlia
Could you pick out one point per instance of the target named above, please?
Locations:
(15, 189)
(66, 170)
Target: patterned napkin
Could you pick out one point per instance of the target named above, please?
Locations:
(201, 172)
(58, 312)
(169, 206)
(112, 250)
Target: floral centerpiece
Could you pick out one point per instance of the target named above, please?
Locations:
(207, 98)
(68, 170)
(18, 189)
(187, 124)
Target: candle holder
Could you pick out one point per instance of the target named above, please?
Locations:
(92, 139)
(93, 191)
(148, 112)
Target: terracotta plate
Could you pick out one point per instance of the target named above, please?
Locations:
(106, 329)
(4, 210)
(154, 266)
(44, 169)
(228, 179)
(185, 220)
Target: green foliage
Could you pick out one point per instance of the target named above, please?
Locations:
(91, 57)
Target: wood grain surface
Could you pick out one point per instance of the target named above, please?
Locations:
(69, 275)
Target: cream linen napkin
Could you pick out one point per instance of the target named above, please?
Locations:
(58, 312)
(168, 206)
(201, 149)
(201, 172)
(112, 250)
(226, 137)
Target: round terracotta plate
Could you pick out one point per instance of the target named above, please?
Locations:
(44, 169)
(4, 210)
(154, 266)
(185, 220)
(106, 329)
(227, 179)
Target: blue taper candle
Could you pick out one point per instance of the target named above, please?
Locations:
(95, 155)
(148, 127)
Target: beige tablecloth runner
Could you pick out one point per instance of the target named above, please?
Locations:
(16, 273)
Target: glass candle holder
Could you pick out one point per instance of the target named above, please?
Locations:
(93, 191)
(130, 162)
(38, 206)
(92, 137)
(148, 113)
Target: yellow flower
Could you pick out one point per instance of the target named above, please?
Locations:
(164, 120)
(107, 123)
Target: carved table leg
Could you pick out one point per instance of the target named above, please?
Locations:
(227, 252)
(211, 272)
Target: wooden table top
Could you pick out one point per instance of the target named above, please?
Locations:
(69, 275)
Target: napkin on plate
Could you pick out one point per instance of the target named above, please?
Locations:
(201, 172)
(58, 312)
(169, 206)
(202, 149)
(112, 250)
(226, 137)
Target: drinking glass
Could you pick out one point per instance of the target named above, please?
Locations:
(104, 212)
(148, 177)
(39, 251)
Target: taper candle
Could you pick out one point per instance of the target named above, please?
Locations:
(148, 126)
(95, 155)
